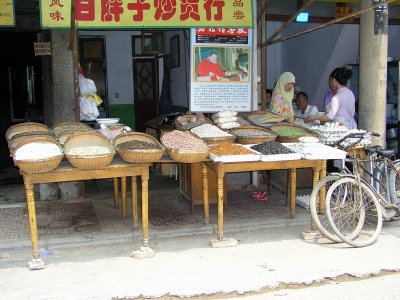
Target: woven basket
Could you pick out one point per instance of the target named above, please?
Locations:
(203, 120)
(31, 137)
(187, 156)
(138, 155)
(23, 128)
(88, 161)
(269, 136)
(291, 138)
(34, 166)
(61, 127)
(260, 118)
(219, 140)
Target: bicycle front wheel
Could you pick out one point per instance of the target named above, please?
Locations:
(317, 207)
(394, 183)
(354, 212)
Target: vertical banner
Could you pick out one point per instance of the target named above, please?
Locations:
(220, 69)
(7, 13)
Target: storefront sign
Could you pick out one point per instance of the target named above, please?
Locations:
(220, 69)
(7, 13)
(147, 13)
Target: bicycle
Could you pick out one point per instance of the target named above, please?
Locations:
(354, 215)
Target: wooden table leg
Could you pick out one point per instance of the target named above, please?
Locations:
(123, 197)
(145, 251)
(36, 263)
(135, 215)
(145, 210)
(220, 224)
(292, 192)
(205, 195)
(316, 177)
(116, 193)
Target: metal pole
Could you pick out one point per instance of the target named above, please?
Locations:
(326, 24)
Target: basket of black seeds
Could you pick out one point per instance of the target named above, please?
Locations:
(138, 147)
(275, 151)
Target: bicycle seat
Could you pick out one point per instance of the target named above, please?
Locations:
(372, 149)
(385, 152)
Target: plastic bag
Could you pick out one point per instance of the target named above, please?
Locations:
(88, 109)
(86, 86)
(97, 99)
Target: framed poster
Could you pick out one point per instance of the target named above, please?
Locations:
(174, 51)
(221, 69)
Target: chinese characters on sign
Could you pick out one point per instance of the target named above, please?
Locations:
(146, 13)
(7, 15)
(220, 69)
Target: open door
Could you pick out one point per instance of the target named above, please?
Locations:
(145, 82)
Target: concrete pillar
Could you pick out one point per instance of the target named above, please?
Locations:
(63, 108)
(64, 99)
(373, 70)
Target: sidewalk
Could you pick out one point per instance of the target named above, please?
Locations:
(86, 248)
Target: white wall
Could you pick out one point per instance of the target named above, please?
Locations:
(312, 57)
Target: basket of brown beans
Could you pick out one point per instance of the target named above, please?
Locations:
(138, 147)
(184, 147)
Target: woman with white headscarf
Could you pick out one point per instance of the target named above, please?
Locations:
(282, 97)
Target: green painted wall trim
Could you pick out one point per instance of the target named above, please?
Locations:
(177, 108)
(126, 113)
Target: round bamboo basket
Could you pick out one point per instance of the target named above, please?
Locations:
(62, 137)
(138, 155)
(42, 165)
(264, 118)
(24, 128)
(220, 140)
(291, 138)
(200, 121)
(22, 137)
(88, 161)
(61, 127)
(264, 135)
(187, 156)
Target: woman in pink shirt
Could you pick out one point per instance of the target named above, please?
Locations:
(343, 104)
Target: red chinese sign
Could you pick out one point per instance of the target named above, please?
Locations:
(147, 13)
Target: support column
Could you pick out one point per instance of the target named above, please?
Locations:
(64, 90)
(64, 106)
(373, 69)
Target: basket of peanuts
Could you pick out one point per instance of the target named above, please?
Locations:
(184, 147)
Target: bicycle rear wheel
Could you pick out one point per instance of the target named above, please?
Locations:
(317, 207)
(354, 212)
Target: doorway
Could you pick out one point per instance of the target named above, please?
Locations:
(145, 82)
(92, 58)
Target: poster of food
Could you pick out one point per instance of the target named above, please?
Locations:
(220, 69)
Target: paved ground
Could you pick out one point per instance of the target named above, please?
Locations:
(86, 247)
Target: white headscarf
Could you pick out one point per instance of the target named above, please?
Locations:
(285, 77)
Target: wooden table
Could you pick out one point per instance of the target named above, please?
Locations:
(220, 169)
(65, 172)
